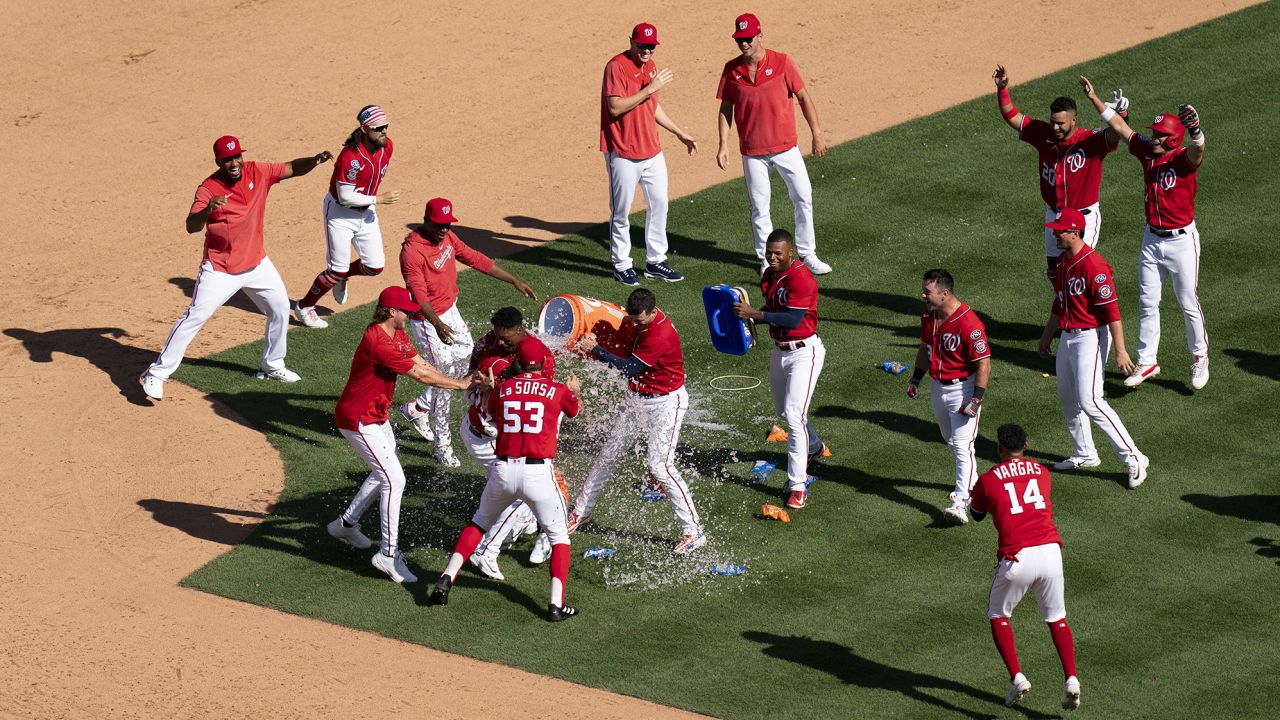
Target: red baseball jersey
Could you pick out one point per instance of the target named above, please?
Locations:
(357, 166)
(1070, 171)
(1084, 293)
(956, 344)
(379, 360)
(233, 232)
(762, 107)
(1016, 493)
(634, 133)
(657, 345)
(792, 289)
(431, 271)
(478, 400)
(526, 409)
(1170, 183)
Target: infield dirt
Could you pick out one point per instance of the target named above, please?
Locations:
(110, 112)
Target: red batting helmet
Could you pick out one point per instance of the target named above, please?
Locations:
(497, 364)
(1169, 124)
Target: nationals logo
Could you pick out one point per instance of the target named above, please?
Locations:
(1167, 179)
(231, 144)
(975, 334)
(1099, 278)
(950, 341)
(1075, 286)
(1076, 160)
(648, 32)
(444, 256)
(742, 25)
(780, 296)
(1104, 292)
(980, 346)
(353, 171)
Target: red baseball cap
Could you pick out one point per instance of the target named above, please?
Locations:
(227, 146)
(746, 26)
(529, 355)
(440, 211)
(496, 364)
(398, 298)
(1067, 220)
(645, 34)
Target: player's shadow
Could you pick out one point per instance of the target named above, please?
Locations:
(205, 522)
(239, 301)
(712, 463)
(680, 246)
(1115, 387)
(494, 243)
(851, 668)
(1253, 508)
(1251, 361)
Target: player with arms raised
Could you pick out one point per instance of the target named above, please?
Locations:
(1016, 494)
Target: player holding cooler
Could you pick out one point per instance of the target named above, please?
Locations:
(1016, 494)
(953, 344)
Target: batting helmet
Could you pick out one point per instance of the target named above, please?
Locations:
(1170, 125)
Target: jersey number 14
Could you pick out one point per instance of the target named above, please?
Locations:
(512, 422)
(1031, 496)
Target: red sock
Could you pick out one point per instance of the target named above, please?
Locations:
(1002, 633)
(469, 540)
(1065, 643)
(359, 268)
(319, 288)
(559, 572)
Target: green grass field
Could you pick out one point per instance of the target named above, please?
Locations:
(867, 605)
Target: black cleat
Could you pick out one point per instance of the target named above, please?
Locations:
(562, 613)
(440, 591)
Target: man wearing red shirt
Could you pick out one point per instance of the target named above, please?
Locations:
(791, 311)
(1016, 493)
(953, 346)
(1171, 243)
(229, 207)
(1070, 159)
(655, 404)
(1084, 305)
(629, 118)
(755, 92)
(429, 260)
(526, 410)
(384, 354)
(350, 215)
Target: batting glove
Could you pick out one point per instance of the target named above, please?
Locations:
(975, 404)
(913, 390)
(1119, 103)
(1190, 119)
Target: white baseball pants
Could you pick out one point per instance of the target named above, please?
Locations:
(651, 175)
(1039, 569)
(958, 430)
(793, 374)
(213, 289)
(660, 418)
(1092, 229)
(376, 445)
(1080, 364)
(789, 165)
(516, 516)
(1176, 259)
(450, 359)
(535, 484)
(343, 227)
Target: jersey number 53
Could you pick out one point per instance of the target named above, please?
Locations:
(513, 421)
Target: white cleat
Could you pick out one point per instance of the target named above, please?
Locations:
(308, 317)
(445, 457)
(1141, 373)
(1138, 471)
(1071, 694)
(956, 514)
(340, 292)
(152, 386)
(419, 420)
(541, 550)
(487, 566)
(1199, 371)
(349, 535)
(284, 375)
(1075, 461)
(1018, 687)
(394, 567)
(689, 543)
(815, 265)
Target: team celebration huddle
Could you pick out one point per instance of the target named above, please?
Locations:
(513, 406)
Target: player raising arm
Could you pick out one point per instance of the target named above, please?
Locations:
(1171, 243)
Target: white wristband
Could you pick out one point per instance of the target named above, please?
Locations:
(1108, 114)
(1197, 140)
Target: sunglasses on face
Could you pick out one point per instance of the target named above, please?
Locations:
(380, 129)
(745, 40)
(645, 47)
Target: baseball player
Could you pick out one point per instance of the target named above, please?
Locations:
(429, 260)
(527, 410)
(953, 346)
(1070, 158)
(349, 213)
(655, 405)
(629, 118)
(384, 354)
(1016, 493)
(229, 206)
(1171, 243)
(791, 311)
(1084, 303)
(755, 92)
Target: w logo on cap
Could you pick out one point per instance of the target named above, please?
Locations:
(446, 210)
(231, 145)
(1158, 119)
(742, 24)
(648, 32)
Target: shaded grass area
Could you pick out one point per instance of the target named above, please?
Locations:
(867, 605)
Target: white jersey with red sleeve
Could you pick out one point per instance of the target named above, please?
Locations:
(358, 167)
(1016, 493)
(1071, 170)
(526, 410)
(1084, 291)
(657, 345)
(1170, 185)
(792, 289)
(955, 344)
